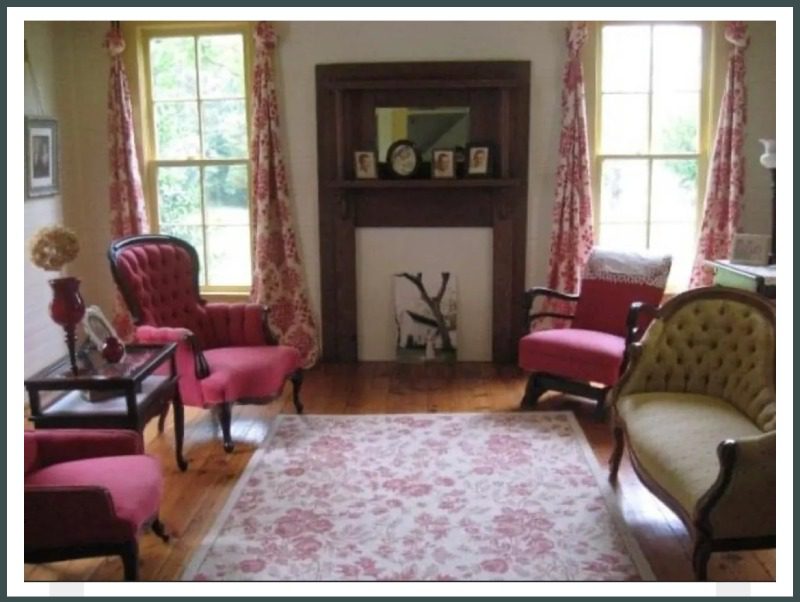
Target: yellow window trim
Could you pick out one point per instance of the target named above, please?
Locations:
(138, 35)
(592, 58)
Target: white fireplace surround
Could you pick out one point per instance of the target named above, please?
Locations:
(382, 252)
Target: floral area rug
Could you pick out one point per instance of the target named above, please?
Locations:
(491, 496)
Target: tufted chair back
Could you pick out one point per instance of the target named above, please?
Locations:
(611, 281)
(711, 341)
(158, 277)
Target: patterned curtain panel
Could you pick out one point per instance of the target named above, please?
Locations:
(572, 237)
(725, 186)
(126, 198)
(278, 277)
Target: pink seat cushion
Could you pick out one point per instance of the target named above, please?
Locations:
(247, 373)
(134, 483)
(574, 353)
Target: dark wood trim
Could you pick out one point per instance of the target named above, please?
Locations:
(539, 382)
(454, 183)
(498, 94)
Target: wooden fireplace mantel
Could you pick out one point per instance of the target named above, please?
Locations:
(497, 93)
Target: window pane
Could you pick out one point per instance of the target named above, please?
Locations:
(624, 236)
(225, 188)
(677, 52)
(229, 255)
(194, 236)
(676, 121)
(623, 193)
(172, 68)
(221, 66)
(177, 135)
(624, 122)
(224, 133)
(674, 190)
(179, 196)
(679, 240)
(626, 58)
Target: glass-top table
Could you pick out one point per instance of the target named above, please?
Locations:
(124, 395)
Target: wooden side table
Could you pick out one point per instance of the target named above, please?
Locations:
(132, 393)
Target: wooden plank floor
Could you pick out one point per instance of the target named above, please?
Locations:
(193, 499)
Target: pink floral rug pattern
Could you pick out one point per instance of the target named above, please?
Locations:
(491, 496)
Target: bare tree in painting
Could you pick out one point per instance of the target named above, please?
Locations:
(435, 305)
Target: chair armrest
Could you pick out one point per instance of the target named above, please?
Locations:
(633, 322)
(634, 326)
(741, 503)
(62, 516)
(188, 345)
(240, 324)
(540, 291)
(64, 445)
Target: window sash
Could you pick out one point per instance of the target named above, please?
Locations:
(153, 164)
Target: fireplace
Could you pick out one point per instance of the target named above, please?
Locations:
(496, 95)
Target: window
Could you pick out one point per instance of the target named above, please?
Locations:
(649, 140)
(197, 163)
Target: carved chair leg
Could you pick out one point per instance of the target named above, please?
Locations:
(130, 560)
(701, 556)
(297, 383)
(163, 417)
(160, 530)
(533, 391)
(225, 422)
(600, 408)
(616, 455)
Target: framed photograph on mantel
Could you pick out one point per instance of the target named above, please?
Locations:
(365, 165)
(41, 157)
(479, 160)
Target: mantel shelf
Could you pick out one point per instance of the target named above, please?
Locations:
(427, 183)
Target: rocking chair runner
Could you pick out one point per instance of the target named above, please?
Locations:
(226, 353)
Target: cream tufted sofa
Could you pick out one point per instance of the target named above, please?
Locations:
(697, 409)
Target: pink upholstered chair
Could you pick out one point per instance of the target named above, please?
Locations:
(89, 493)
(226, 353)
(587, 358)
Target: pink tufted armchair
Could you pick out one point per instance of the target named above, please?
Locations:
(226, 353)
(587, 357)
(89, 493)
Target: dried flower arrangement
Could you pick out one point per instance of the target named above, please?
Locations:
(53, 247)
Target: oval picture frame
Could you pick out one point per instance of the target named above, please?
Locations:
(403, 159)
(97, 327)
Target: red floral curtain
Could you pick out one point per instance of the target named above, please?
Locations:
(126, 198)
(725, 186)
(572, 237)
(278, 277)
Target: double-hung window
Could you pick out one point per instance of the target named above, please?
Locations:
(649, 151)
(197, 159)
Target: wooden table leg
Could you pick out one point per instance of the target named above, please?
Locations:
(177, 411)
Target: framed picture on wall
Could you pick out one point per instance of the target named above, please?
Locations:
(41, 157)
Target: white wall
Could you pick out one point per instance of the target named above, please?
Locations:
(43, 338)
(760, 77)
(83, 71)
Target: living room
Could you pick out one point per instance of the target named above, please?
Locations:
(361, 353)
